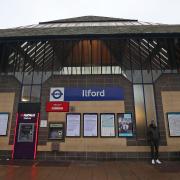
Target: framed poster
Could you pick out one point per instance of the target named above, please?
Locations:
(174, 123)
(56, 131)
(43, 123)
(26, 132)
(90, 125)
(107, 125)
(125, 124)
(4, 118)
(73, 125)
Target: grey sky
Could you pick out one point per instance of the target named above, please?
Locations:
(25, 12)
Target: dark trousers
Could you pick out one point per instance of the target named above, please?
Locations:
(154, 149)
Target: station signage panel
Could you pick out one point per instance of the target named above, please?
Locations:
(57, 94)
(86, 94)
(57, 106)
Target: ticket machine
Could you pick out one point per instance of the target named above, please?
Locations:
(26, 131)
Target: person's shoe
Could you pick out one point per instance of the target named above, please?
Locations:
(158, 161)
(153, 161)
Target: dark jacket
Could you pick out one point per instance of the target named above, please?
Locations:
(153, 133)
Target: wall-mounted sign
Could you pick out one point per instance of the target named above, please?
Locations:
(73, 125)
(125, 124)
(57, 94)
(3, 123)
(174, 123)
(90, 125)
(107, 125)
(43, 123)
(57, 107)
(56, 131)
(86, 94)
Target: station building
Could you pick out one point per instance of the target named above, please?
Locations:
(86, 88)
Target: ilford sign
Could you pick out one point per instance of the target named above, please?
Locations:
(86, 94)
(90, 93)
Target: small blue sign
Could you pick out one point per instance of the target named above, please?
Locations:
(93, 94)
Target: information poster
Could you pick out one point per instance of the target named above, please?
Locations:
(90, 125)
(108, 125)
(56, 131)
(43, 123)
(73, 125)
(125, 124)
(3, 123)
(174, 124)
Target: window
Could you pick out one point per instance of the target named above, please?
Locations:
(139, 111)
(35, 93)
(144, 107)
(25, 96)
(31, 93)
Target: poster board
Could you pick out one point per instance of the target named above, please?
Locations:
(73, 125)
(90, 125)
(125, 124)
(4, 118)
(173, 119)
(56, 131)
(107, 125)
(43, 123)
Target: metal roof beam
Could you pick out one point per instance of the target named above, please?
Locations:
(25, 54)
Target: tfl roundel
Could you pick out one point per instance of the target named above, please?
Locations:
(57, 94)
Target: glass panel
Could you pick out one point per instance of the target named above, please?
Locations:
(147, 76)
(37, 77)
(127, 74)
(86, 70)
(27, 78)
(35, 94)
(116, 69)
(127, 66)
(156, 74)
(26, 93)
(137, 76)
(150, 104)
(19, 76)
(47, 75)
(139, 111)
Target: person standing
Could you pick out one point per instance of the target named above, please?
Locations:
(154, 138)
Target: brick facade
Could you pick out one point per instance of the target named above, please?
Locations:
(84, 81)
(166, 82)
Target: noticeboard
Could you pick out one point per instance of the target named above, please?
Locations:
(90, 125)
(108, 125)
(125, 124)
(174, 123)
(4, 117)
(73, 125)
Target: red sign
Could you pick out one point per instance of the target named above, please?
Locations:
(57, 106)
